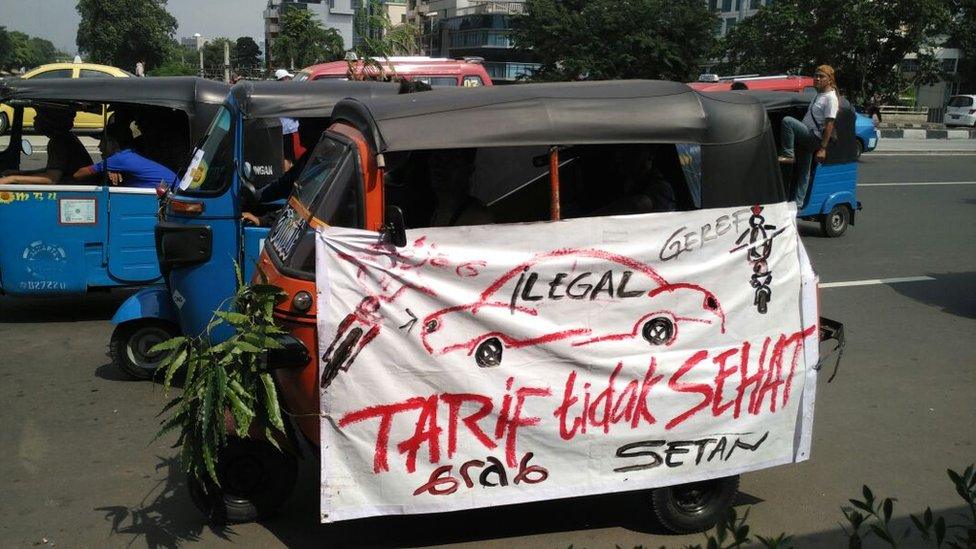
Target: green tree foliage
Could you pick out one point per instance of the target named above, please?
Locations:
(245, 53)
(123, 32)
(303, 41)
(609, 39)
(864, 40)
(213, 52)
(963, 36)
(21, 50)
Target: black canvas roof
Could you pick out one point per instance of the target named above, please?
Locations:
(626, 111)
(302, 99)
(181, 93)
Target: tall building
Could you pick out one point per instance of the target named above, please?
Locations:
(730, 12)
(336, 14)
(473, 28)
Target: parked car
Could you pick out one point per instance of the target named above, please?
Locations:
(961, 111)
(867, 134)
(432, 71)
(83, 120)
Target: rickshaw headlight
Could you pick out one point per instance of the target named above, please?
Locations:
(302, 301)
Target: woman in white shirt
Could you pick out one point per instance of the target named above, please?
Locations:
(802, 140)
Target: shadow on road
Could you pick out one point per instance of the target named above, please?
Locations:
(165, 517)
(94, 306)
(950, 292)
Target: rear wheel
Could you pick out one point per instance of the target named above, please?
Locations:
(4, 123)
(694, 507)
(255, 480)
(131, 343)
(836, 221)
(860, 149)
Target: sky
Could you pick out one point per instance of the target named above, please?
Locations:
(57, 20)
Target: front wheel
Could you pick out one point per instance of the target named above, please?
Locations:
(4, 123)
(131, 343)
(255, 480)
(696, 506)
(836, 221)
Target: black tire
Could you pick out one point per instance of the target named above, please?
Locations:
(131, 342)
(255, 480)
(489, 353)
(859, 150)
(835, 222)
(694, 507)
(4, 123)
(658, 331)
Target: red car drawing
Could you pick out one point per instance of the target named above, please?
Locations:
(543, 301)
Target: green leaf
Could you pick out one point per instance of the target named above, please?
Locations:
(919, 525)
(234, 319)
(169, 344)
(177, 361)
(271, 402)
(928, 516)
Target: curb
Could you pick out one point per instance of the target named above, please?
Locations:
(927, 134)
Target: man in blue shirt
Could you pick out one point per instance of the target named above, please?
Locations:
(125, 166)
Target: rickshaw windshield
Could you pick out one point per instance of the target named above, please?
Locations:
(212, 163)
(328, 188)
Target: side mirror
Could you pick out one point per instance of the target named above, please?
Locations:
(26, 146)
(395, 229)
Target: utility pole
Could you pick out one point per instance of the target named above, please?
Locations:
(226, 61)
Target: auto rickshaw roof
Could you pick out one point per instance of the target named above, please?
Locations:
(302, 99)
(569, 113)
(178, 92)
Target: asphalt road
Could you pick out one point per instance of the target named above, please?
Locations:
(78, 467)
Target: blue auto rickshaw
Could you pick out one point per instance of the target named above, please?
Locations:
(831, 197)
(71, 239)
(201, 236)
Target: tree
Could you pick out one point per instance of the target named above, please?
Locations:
(213, 52)
(608, 39)
(123, 32)
(6, 48)
(43, 51)
(245, 53)
(864, 40)
(303, 41)
(964, 37)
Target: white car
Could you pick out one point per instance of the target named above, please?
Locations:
(961, 111)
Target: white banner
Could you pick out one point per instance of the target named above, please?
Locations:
(489, 365)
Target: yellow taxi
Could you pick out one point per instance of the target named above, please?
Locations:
(83, 120)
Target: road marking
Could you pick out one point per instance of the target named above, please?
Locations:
(916, 183)
(873, 281)
(925, 153)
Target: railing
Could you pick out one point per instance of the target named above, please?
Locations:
(493, 7)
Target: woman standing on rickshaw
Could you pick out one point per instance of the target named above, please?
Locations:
(810, 138)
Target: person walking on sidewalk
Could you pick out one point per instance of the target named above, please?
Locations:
(806, 140)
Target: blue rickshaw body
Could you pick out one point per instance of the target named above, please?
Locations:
(832, 185)
(80, 238)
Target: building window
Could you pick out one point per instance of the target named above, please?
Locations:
(949, 65)
(729, 24)
(909, 65)
(754, 4)
(712, 5)
(726, 5)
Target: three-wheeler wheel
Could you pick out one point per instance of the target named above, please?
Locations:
(255, 480)
(696, 506)
(835, 222)
(132, 342)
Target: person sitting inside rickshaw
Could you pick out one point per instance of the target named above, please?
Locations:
(124, 165)
(65, 153)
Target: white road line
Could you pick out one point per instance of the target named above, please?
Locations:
(873, 281)
(916, 183)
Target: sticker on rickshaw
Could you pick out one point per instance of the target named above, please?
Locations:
(195, 173)
(490, 365)
(9, 197)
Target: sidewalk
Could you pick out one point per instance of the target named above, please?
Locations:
(926, 146)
